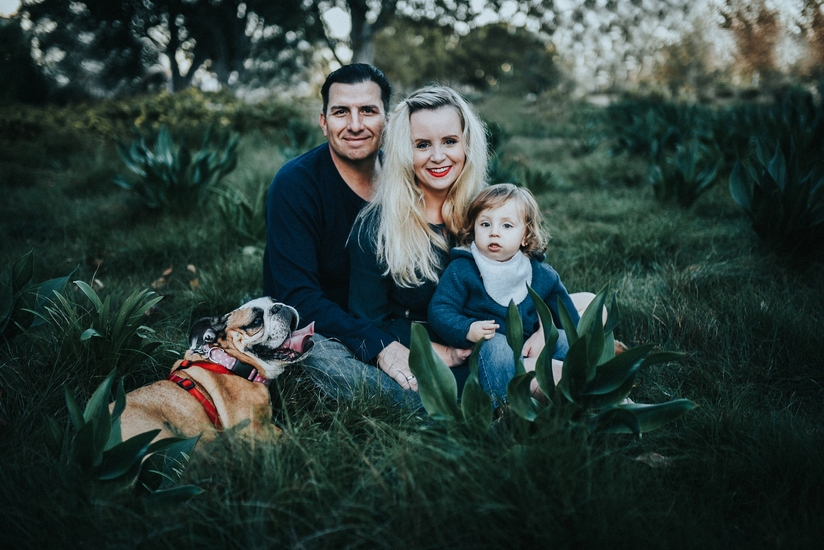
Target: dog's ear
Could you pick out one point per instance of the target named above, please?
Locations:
(206, 331)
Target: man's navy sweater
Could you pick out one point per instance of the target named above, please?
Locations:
(309, 212)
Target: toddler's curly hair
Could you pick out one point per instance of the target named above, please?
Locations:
(536, 235)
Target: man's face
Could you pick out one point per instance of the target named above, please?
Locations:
(354, 120)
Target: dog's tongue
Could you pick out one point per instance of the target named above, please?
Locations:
(297, 341)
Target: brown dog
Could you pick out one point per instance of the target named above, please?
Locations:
(224, 376)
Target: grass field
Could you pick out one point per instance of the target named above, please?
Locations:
(743, 470)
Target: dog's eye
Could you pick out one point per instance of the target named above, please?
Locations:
(257, 322)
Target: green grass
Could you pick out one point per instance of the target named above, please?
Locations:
(744, 470)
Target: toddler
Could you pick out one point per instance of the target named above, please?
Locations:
(502, 253)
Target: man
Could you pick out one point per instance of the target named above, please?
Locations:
(311, 206)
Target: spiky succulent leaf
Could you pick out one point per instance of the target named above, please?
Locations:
(54, 437)
(615, 420)
(651, 417)
(122, 457)
(575, 370)
(543, 366)
(614, 373)
(436, 384)
(476, 405)
(515, 335)
(520, 397)
(592, 324)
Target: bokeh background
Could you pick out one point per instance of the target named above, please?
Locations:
(55, 50)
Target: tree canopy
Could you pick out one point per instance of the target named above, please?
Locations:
(111, 44)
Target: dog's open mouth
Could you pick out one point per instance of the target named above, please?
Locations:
(296, 345)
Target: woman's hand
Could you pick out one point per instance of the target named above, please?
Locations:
(534, 344)
(451, 356)
(481, 329)
(394, 361)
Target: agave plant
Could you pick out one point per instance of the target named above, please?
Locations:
(19, 296)
(107, 465)
(170, 175)
(591, 392)
(113, 337)
(684, 177)
(784, 202)
(241, 216)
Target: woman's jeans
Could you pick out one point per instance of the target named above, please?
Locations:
(496, 364)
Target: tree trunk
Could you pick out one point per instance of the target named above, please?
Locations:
(178, 81)
(362, 36)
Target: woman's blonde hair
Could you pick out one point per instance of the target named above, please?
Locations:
(535, 237)
(402, 235)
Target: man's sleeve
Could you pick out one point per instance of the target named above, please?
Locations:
(368, 288)
(293, 245)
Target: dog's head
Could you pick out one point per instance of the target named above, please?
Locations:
(261, 333)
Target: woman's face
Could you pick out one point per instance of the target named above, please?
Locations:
(439, 155)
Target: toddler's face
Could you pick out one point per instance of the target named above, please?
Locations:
(500, 231)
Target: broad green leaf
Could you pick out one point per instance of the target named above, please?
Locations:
(100, 398)
(543, 366)
(74, 411)
(599, 401)
(53, 436)
(122, 457)
(97, 413)
(89, 333)
(176, 453)
(436, 384)
(778, 167)
(575, 370)
(90, 294)
(567, 323)
(612, 374)
(651, 417)
(613, 315)
(616, 420)
(520, 398)
(662, 357)
(21, 271)
(46, 290)
(83, 453)
(515, 335)
(592, 324)
(476, 404)
(115, 436)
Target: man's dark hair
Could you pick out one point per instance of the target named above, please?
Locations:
(355, 74)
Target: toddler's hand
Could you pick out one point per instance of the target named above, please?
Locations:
(481, 329)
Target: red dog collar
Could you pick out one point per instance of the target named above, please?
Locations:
(188, 385)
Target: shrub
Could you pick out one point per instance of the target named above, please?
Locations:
(171, 176)
(19, 297)
(241, 216)
(784, 201)
(113, 339)
(108, 466)
(686, 175)
(589, 394)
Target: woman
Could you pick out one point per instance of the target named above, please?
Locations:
(435, 162)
